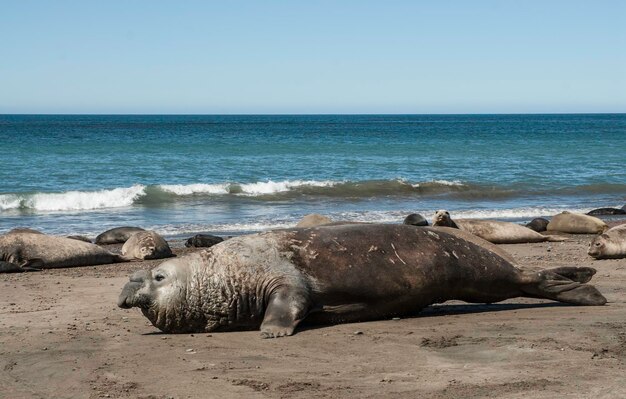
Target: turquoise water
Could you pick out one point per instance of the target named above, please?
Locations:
(234, 174)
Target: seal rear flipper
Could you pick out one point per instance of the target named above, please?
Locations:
(578, 274)
(559, 288)
(8, 267)
(286, 308)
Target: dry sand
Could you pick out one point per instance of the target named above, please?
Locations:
(62, 335)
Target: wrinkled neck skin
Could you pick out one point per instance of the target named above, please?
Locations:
(224, 287)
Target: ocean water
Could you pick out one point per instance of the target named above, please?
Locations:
(179, 175)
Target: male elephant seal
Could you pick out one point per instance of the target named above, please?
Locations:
(610, 244)
(203, 241)
(146, 245)
(41, 251)
(576, 223)
(117, 235)
(313, 220)
(492, 230)
(606, 211)
(538, 224)
(334, 274)
(415, 219)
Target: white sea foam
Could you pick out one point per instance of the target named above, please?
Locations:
(73, 200)
(189, 189)
(439, 182)
(272, 187)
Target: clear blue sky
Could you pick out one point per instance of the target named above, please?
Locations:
(212, 57)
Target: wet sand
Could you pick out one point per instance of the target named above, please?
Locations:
(62, 336)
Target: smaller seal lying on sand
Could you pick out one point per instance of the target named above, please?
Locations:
(606, 211)
(415, 219)
(117, 235)
(146, 245)
(576, 223)
(538, 224)
(313, 220)
(610, 244)
(335, 274)
(203, 241)
(42, 251)
(492, 230)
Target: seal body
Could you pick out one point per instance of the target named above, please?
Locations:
(415, 219)
(576, 223)
(203, 241)
(146, 245)
(493, 231)
(334, 274)
(117, 235)
(313, 220)
(41, 251)
(610, 244)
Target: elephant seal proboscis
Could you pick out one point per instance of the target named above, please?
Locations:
(335, 274)
(609, 245)
(203, 241)
(606, 211)
(146, 245)
(576, 223)
(538, 224)
(117, 235)
(314, 220)
(415, 219)
(42, 251)
(493, 230)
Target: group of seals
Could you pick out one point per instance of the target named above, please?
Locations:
(493, 230)
(334, 274)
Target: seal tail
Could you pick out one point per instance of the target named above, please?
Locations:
(564, 284)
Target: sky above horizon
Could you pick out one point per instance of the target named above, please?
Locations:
(278, 57)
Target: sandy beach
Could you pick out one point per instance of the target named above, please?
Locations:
(62, 336)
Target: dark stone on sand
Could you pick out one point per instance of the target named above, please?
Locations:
(538, 224)
(203, 241)
(607, 211)
(415, 219)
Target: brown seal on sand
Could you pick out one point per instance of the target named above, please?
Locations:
(117, 235)
(42, 251)
(146, 245)
(313, 220)
(610, 244)
(492, 230)
(576, 223)
(335, 274)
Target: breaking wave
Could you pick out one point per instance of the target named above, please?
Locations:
(154, 195)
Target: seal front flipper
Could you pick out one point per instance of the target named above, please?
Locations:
(286, 308)
(550, 285)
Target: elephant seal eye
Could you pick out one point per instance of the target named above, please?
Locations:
(159, 277)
